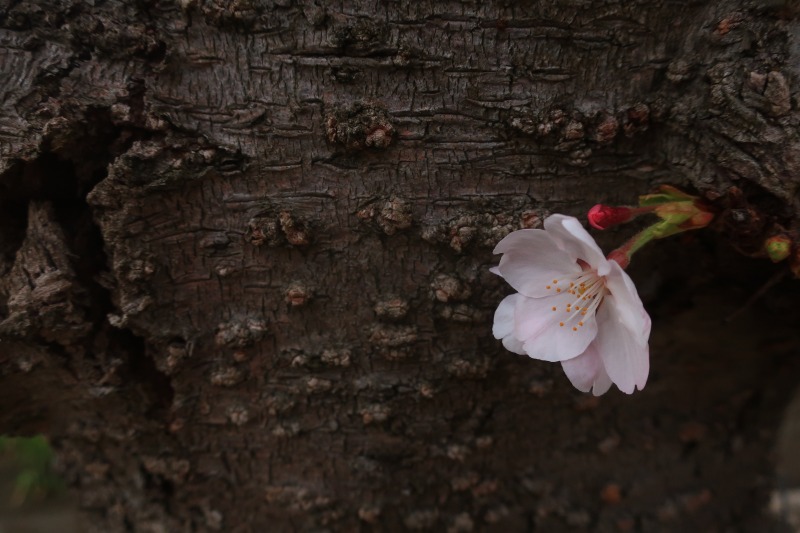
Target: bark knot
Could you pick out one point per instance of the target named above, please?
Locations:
(361, 126)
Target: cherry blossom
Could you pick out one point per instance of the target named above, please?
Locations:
(573, 306)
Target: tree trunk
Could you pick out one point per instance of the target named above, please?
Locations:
(244, 253)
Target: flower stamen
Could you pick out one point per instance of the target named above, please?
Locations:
(589, 287)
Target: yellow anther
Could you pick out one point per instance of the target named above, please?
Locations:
(554, 308)
(580, 323)
(555, 281)
(561, 324)
(558, 290)
(574, 329)
(548, 287)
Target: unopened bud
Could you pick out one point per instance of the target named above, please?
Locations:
(605, 216)
(701, 219)
(685, 215)
(778, 247)
(621, 257)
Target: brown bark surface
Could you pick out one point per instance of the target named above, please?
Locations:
(244, 252)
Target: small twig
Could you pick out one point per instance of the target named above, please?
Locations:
(771, 282)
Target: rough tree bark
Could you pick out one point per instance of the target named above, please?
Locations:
(245, 245)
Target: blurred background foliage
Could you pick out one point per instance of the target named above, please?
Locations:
(27, 463)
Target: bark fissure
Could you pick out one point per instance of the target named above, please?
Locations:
(61, 177)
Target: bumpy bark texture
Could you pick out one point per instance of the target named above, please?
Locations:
(244, 252)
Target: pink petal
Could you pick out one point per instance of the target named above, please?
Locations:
(512, 344)
(601, 383)
(625, 358)
(629, 306)
(532, 260)
(503, 326)
(586, 372)
(504, 317)
(539, 327)
(582, 370)
(576, 241)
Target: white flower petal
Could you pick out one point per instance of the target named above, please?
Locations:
(504, 317)
(582, 371)
(625, 358)
(586, 372)
(601, 383)
(628, 304)
(512, 344)
(532, 260)
(503, 326)
(540, 329)
(576, 241)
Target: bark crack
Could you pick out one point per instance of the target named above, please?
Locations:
(47, 195)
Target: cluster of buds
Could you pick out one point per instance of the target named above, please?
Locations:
(676, 210)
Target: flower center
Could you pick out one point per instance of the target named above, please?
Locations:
(588, 290)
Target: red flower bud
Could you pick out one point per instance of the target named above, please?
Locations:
(604, 216)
